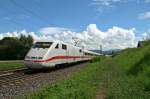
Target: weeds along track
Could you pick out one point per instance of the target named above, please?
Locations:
(24, 82)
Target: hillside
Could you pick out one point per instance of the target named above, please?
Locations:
(133, 76)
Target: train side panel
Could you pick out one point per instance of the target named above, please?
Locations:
(67, 55)
(56, 56)
(56, 53)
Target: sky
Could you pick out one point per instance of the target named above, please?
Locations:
(114, 24)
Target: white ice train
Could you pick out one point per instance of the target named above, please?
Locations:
(49, 54)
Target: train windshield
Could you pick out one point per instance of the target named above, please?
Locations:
(42, 44)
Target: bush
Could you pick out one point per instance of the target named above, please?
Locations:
(97, 59)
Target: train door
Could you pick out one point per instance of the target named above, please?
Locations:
(65, 53)
(56, 52)
(75, 53)
(68, 54)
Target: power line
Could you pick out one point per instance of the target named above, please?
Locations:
(37, 3)
(29, 11)
(14, 15)
(15, 22)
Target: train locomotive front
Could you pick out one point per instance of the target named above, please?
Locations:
(35, 58)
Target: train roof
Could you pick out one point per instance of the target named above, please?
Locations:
(58, 41)
(91, 52)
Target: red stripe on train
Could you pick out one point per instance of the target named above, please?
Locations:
(60, 57)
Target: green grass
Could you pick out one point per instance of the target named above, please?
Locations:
(120, 85)
(9, 65)
(133, 78)
(125, 76)
(80, 85)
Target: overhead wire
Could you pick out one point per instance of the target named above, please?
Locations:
(12, 20)
(38, 5)
(29, 11)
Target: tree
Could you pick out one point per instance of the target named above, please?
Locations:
(12, 48)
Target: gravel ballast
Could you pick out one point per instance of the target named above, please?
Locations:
(44, 78)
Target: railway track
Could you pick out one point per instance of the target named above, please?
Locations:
(9, 72)
(13, 77)
(22, 82)
(15, 80)
(19, 76)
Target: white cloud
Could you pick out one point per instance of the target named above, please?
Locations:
(144, 16)
(24, 32)
(15, 34)
(91, 38)
(147, 1)
(103, 5)
(52, 30)
(148, 30)
(104, 2)
(21, 17)
(145, 36)
(113, 2)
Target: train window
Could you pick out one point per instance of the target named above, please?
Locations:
(33, 57)
(64, 46)
(57, 46)
(40, 57)
(80, 50)
(86, 53)
(42, 44)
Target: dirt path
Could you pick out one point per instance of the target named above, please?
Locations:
(101, 92)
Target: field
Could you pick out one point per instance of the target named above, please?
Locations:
(9, 65)
(124, 76)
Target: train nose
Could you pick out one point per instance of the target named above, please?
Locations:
(33, 65)
(33, 57)
(29, 62)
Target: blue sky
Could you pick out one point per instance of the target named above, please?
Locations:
(75, 15)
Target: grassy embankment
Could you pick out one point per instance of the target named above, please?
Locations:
(125, 76)
(9, 65)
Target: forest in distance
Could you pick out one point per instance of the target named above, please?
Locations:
(15, 48)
